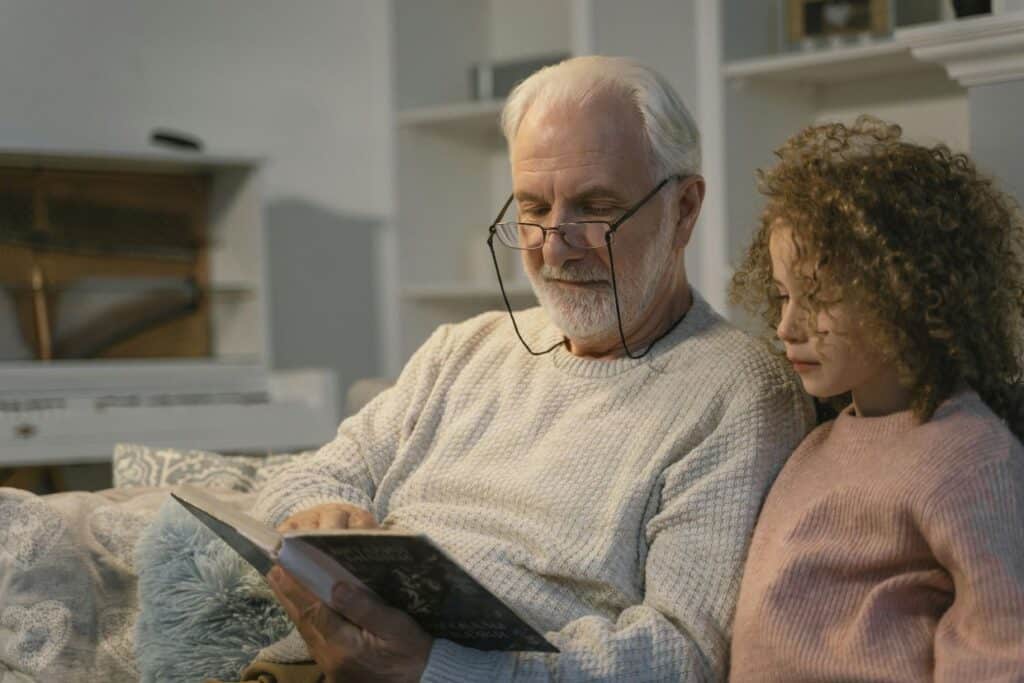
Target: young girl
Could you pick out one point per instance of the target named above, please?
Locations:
(891, 546)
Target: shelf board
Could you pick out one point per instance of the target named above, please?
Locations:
(232, 289)
(827, 66)
(466, 291)
(475, 122)
(121, 159)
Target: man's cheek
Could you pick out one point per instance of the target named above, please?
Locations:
(531, 260)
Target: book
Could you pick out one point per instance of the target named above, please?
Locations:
(405, 569)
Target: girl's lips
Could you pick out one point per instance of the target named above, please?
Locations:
(803, 366)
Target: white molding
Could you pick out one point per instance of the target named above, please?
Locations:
(828, 66)
(582, 19)
(712, 241)
(979, 51)
(389, 324)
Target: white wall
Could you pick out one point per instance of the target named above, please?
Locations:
(523, 28)
(995, 133)
(305, 84)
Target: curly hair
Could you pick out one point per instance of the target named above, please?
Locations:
(925, 248)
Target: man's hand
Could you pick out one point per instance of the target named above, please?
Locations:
(367, 641)
(329, 516)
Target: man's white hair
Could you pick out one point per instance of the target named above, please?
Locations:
(670, 130)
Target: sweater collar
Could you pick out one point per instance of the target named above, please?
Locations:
(699, 317)
(849, 426)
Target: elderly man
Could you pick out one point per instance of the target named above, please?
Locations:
(599, 461)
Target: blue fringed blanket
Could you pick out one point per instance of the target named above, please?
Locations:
(203, 611)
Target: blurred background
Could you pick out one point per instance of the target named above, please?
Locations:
(225, 224)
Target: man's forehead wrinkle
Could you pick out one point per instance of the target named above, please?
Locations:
(541, 164)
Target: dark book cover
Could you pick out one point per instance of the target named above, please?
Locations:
(412, 574)
(405, 569)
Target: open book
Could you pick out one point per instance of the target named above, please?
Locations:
(407, 570)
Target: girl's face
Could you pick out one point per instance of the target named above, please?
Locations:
(829, 353)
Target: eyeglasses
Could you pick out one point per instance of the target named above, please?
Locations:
(578, 235)
(581, 235)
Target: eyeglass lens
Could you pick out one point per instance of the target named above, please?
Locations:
(589, 235)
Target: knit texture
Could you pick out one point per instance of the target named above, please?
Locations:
(609, 502)
(890, 550)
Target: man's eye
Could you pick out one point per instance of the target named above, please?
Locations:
(593, 210)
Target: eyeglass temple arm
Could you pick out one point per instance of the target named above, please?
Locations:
(504, 208)
(639, 205)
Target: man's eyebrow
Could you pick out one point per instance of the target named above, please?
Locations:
(528, 197)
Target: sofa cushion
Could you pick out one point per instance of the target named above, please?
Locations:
(138, 465)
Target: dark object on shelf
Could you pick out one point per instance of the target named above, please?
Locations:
(967, 8)
(173, 138)
(810, 19)
(495, 80)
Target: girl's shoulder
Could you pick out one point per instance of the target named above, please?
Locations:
(964, 441)
(962, 433)
(963, 425)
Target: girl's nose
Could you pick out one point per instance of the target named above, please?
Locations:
(791, 328)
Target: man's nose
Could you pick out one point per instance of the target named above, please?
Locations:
(556, 250)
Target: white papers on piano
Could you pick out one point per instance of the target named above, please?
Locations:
(74, 412)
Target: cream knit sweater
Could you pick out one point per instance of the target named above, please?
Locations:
(609, 502)
(890, 551)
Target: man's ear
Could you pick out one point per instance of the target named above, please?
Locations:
(689, 197)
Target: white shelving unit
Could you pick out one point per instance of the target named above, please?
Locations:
(883, 57)
(474, 123)
(758, 92)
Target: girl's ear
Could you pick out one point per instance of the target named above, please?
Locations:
(689, 197)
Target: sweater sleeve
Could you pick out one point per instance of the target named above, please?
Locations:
(976, 530)
(348, 469)
(697, 543)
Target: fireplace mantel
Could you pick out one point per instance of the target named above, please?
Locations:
(977, 51)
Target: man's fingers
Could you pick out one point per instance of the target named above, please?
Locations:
(307, 613)
(334, 518)
(318, 624)
(361, 519)
(364, 609)
(302, 520)
(329, 516)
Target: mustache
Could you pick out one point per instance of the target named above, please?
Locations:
(576, 272)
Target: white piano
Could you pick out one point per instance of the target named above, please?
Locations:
(70, 412)
(56, 411)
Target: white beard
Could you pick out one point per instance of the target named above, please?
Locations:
(589, 313)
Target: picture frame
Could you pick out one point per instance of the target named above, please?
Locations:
(816, 19)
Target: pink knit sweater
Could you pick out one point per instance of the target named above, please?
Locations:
(890, 550)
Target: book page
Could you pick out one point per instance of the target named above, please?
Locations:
(256, 542)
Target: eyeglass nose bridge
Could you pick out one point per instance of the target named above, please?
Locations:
(560, 230)
(578, 242)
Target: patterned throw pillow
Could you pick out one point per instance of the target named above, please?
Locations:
(137, 465)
